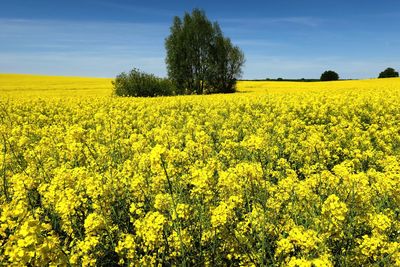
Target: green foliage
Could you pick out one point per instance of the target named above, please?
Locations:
(388, 73)
(329, 75)
(137, 83)
(199, 58)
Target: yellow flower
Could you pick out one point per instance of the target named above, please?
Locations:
(281, 173)
(298, 238)
(93, 223)
(150, 228)
(334, 213)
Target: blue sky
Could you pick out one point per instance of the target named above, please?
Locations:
(289, 39)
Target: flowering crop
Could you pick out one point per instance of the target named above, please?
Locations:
(279, 174)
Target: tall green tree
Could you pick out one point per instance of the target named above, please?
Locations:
(226, 65)
(199, 58)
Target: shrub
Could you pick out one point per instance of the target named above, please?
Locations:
(138, 83)
(388, 73)
(329, 75)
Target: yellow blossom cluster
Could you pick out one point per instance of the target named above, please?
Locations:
(279, 174)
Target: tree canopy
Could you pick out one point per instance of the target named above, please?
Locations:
(329, 75)
(388, 73)
(200, 59)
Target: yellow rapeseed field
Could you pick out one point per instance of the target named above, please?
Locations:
(19, 85)
(278, 174)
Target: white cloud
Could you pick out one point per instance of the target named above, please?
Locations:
(273, 21)
(136, 9)
(81, 48)
(75, 64)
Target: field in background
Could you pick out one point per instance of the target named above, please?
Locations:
(279, 174)
(20, 85)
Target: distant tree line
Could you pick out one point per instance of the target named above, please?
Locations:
(331, 75)
(200, 60)
(285, 80)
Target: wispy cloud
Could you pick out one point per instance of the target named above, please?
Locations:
(134, 7)
(16, 26)
(274, 21)
(77, 64)
(258, 43)
(85, 48)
